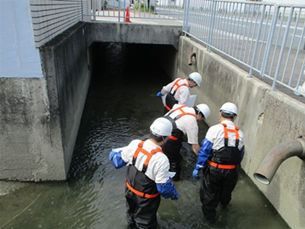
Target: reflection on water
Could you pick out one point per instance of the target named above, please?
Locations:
(120, 107)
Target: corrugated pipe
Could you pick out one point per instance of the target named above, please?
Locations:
(190, 59)
(272, 161)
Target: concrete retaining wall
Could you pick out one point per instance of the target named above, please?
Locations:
(40, 117)
(30, 141)
(266, 117)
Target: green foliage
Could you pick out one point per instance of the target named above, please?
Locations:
(143, 8)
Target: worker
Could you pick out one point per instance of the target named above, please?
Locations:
(147, 176)
(185, 122)
(178, 91)
(221, 151)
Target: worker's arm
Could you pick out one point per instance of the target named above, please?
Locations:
(116, 159)
(168, 190)
(162, 178)
(165, 90)
(203, 155)
(242, 153)
(195, 148)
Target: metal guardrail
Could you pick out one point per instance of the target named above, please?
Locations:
(152, 9)
(265, 39)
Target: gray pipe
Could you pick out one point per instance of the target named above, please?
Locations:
(272, 161)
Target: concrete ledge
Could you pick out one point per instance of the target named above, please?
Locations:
(267, 118)
(133, 33)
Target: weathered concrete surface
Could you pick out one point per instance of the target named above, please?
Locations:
(40, 117)
(133, 33)
(66, 67)
(266, 117)
(29, 142)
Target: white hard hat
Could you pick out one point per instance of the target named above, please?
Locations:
(204, 109)
(196, 77)
(229, 108)
(161, 127)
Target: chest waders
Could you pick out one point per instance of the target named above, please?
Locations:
(170, 100)
(220, 176)
(173, 145)
(142, 196)
(226, 157)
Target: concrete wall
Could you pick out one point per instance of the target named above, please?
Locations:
(29, 142)
(134, 33)
(40, 117)
(266, 117)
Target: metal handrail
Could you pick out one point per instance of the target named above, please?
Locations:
(265, 39)
(281, 48)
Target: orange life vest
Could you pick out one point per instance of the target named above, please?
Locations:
(170, 99)
(177, 117)
(226, 157)
(139, 179)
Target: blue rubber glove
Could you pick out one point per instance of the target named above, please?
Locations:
(116, 159)
(196, 174)
(168, 190)
(111, 155)
(176, 196)
(159, 94)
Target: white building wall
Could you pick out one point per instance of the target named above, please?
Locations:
(18, 55)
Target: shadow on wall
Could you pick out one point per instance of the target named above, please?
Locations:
(301, 186)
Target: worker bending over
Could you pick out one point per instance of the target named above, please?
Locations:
(147, 175)
(185, 121)
(178, 91)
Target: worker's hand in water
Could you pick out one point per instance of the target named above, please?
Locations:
(159, 94)
(196, 174)
(175, 197)
(113, 153)
(116, 159)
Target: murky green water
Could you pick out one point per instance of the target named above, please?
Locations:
(120, 107)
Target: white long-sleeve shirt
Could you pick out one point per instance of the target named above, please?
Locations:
(182, 94)
(187, 123)
(215, 135)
